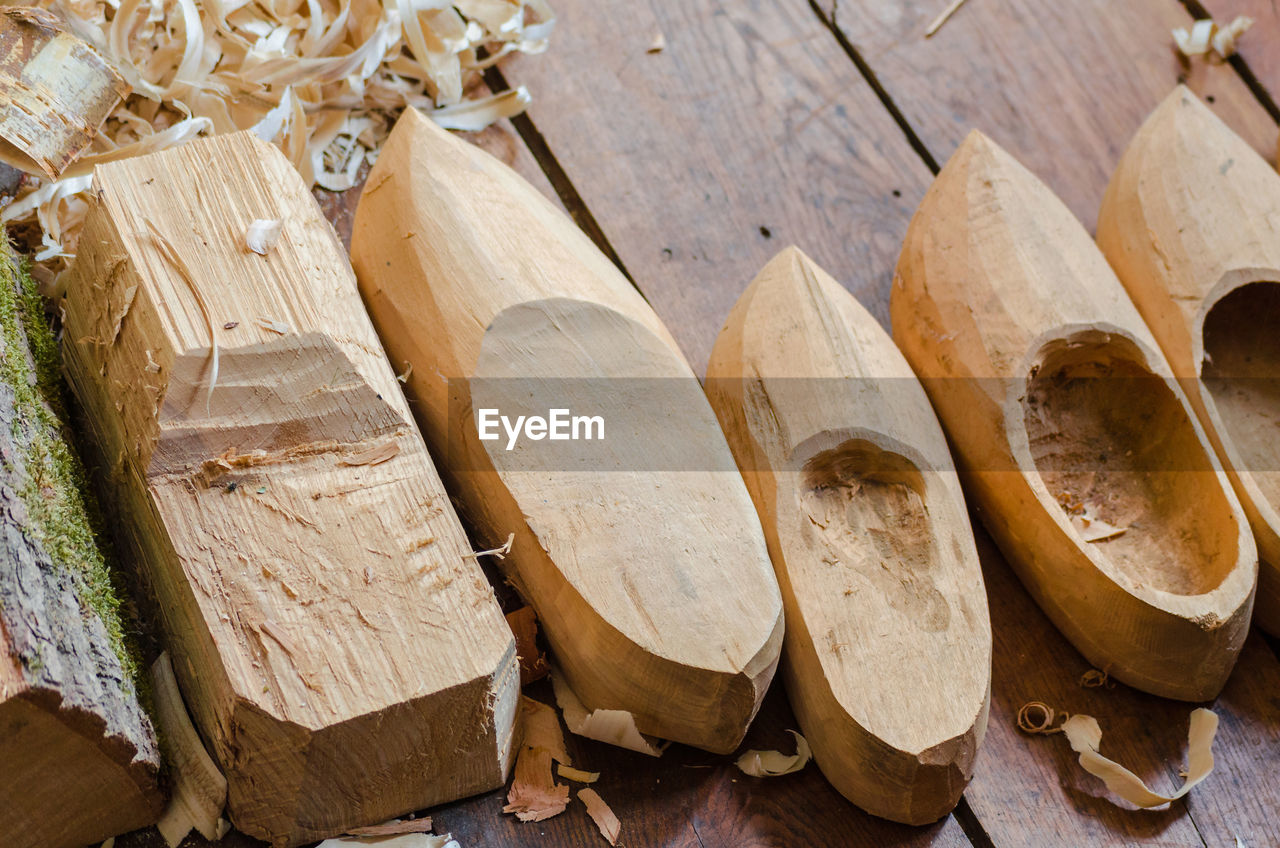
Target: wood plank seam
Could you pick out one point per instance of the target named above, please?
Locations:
(1197, 10)
(559, 179)
(913, 138)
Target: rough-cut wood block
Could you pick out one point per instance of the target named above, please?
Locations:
(888, 643)
(640, 552)
(338, 648)
(1091, 470)
(78, 756)
(1191, 223)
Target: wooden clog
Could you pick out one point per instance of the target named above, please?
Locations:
(888, 643)
(640, 552)
(1191, 224)
(1088, 464)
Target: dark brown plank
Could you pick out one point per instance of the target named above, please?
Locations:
(1030, 790)
(1062, 86)
(685, 799)
(750, 131)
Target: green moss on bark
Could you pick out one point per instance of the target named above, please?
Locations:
(64, 516)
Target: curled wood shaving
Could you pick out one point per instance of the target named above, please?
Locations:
(534, 794)
(199, 789)
(577, 775)
(601, 814)
(1206, 36)
(776, 763)
(1085, 737)
(1224, 40)
(1037, 717)
(616, 727)
(1095, 679)
(322, 79)
(395, 827)
(658, 44)
(407, 373)
(406, 840)
(262, 235)
(542, 729)
(499, 552)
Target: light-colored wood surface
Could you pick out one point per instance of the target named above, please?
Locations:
(1191, 224)
(338, 647)
(888, 643)
(750, 130)
(1065, 414)
(1061, 86)
(641, 552)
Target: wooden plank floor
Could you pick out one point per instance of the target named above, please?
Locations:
(758, 127)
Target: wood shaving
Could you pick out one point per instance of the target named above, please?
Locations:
(171, 253)
(1224, 40)
(942, 18)
(199, 789)
(524, 627)
(500, 552)
(658, 44)
(1037, 717)
(322, 79)
(534, 794)
(1090, 527)
(601, 814)
(274, 326)
(395, 827)
(110, 842)
(776, 763)
(407, 840)
(1095, 679)
(1206, 37)
(408, 371)
(616, 727)
(1085, 738)
(270, 628)
(542, 729)
(577, 775)
(373, 456)
(262, 235)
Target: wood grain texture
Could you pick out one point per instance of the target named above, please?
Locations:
(644, 561)
(1191, 223)
(1051, 389)
(287, 516)
(1030, 792)
(1061, 86)
(888, 645)
(751, 129)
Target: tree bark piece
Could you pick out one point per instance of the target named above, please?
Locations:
(336, 642)
(55, 91)
(888, 641)
(79, 753)
(1191, 223)
(640, 551)
(1061, 406)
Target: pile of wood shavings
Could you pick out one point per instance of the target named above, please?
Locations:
(320, 78)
